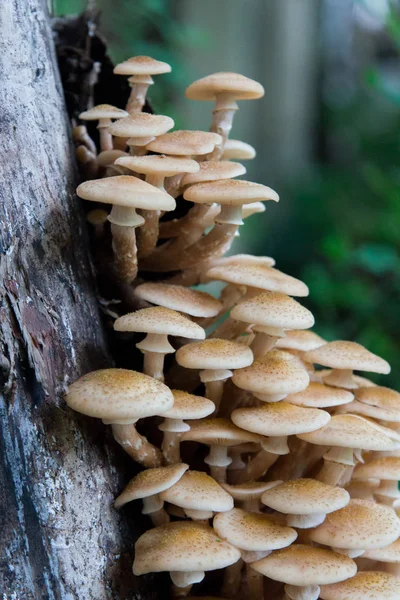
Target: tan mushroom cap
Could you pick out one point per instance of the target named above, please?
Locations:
(150, 482)
(229, 192)
(159, 164)
(103, 111)
(347, 355)
(249, 490)
(302, 565)
(252, 208)
(279, 419)
(198, 491)
(182, 546)
(188, 406)
(119, 395)
(158, 319)
(253, 532)
(232, 84)
(258, 276)
(212, 170)
(385, 467)
(142, 65)
(361, 524)
(366, 585)
(214, 354)
(351, 431)
(305, 497)
(125, 190)
(185, 143)
(318, 395)
(235, 149)
(300, 340)
(177, 297)
(108, 157)
(379, 402)
(388, 554)
(273, 309)
(141, 125)
(244, 259)
(276, 373)
(218, 431)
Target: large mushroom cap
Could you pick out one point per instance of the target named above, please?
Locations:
(232, 84)
(253, 532)
(182, 546)
(214, 354)
(198, 491)
(142, 65)
(177, 297)
(218, 431)
(229, 192)
(158, 319)
(318, 395)
(188, 406)
(385, 467)
(185, 143)
(212, 170)
(389, 554)
(125, 190)
(235, 149)
(273, 309)
(305, 497)
(141, 125)
(377, 402)
(303, 565)
(366, 585)
(347, 355)
(159, 164)
(119, 395)
(103, 111)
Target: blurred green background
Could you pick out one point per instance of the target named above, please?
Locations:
(326, 133)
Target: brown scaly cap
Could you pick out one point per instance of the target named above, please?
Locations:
(229, 192)
(385, 467)
(185, 143)
(347, 355)
(305, 497)
(318, 395)
(177, 297)
(189, 406)
(103, 111)
(198, 491)
(366, 585)
(158, 319)
(214, 354)
(141, 125)
(159, 164)
(212, 170)
(218, 431)
(142, 65)
(300, 340)
(273, 309)
(235, 149)
(232, 84)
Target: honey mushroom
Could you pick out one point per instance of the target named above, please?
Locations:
(238, 454)
(87, 162)
(365, 585)
(98, 219)
(105, 162)
(104, 114)
(389, 556)
(249, 493)
(237, 150)
(387, 470)
(138, 129)
(377, 402)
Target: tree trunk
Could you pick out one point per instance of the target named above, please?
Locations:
(60, 537)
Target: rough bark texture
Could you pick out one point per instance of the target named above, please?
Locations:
(60, 537)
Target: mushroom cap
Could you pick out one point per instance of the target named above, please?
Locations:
(253, 532)
(185, 143)
(214, 354)
(150, 482)
(219, 432)
(385, 467)
(142, 65)
(232, 84)
(212, 170)
(244, 259)
(125, 190)
(360, 524)
(182, 546)
(141, 125)
(273, 309)
(378, 402)
(305, 497)
(188, 406)
(279, 419)
(303, 565)
(159, 164)
(347, 355)
(275, 373)
(251, 209)
(103, 111)
(108, 157)
(235, 149)
(318, 395)
(248, 490)
(351, 431)
(259, 276)
(159, 320)
(229, 192)
(198, 491)
(118, 394)
(388, 554)
(178, 297)
(300, 340)
(366, 585)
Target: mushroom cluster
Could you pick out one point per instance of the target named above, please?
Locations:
(296, 494)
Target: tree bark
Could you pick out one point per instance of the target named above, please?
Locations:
(60, 537)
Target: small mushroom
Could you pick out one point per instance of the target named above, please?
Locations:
(249, 493)
(237, 150)
(213, 170)
(81, 137)
(177, 297)
(139, 129)
(366, 585)
(97, 218)
(318, 395)
(104, 113)
(387, 470)
(377, 402)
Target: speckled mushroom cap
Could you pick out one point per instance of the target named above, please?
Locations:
(258, 276)
(235, 149)
(103, 111)
(347, 355)
(244, 259)
(185, 143)
(182, 546)
(253, 532)
(360, 381)
(189, 406)
(305, 497)
(388, 554)
(230, 84)
(218, 431)
(385, 467)
(366, 585)
(300, 340)
(351, 431)
(252, 208)
(214, 354)
(159, 164)
(276, 373)
(279, 419)
(141, 125)
(177, 297)
(150, 482)
(125, 190)
(273, 309)
(108, 157)
(302, 565)
(212, 170)
(318, 395)
(249, 490)
(119, 395)
(198, 491)
(378, 402)
(361, 525)
(229, 192)
(142, 65)
(158, 319)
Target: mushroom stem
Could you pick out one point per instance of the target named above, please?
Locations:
(153, 364)
(125, 252)
(331, 472)
(218, 460)
(305, 521)
(259, 465)
(307, 592)
(262, 343)
(229, 329)
(171, 447)
(106, 140)
(185, 579)
(214, 392)
(137, 446)
(341, 378)
(87, 162)
(255, 583)
(232, 579)
(81, 136)
(223, 115)
(154, 507)
(148, 234)
(137, 98)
